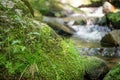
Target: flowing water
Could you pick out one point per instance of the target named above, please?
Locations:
(89, 36)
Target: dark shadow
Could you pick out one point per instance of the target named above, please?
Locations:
(94, 4)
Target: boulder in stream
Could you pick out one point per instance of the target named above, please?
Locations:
(97, 73)
(114, 73)
(111, 39)
(113, 20)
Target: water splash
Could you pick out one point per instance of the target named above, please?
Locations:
(91, 33)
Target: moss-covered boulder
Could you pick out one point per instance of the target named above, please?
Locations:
(32, 51)
(114, 73)
(113, 20)
(98, 72)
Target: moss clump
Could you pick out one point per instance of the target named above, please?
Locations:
(114, 17)
(114, 73)
(114, 20)
(37, 53)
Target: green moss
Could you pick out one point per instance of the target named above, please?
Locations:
(114, 17)
(42, 54)
(114, 73)
(114, 20)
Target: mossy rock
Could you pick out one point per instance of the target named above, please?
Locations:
(114, 73)
(36, 53)
(98, 72)
(114, 20)
(114, 17)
